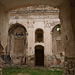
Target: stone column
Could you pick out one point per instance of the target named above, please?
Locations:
(30, 52)
(48, 45)
(68, 43)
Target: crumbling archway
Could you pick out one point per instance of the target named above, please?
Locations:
(16, 43)
(58, 52)
(56, 37)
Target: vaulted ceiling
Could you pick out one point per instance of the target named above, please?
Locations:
(11, 4)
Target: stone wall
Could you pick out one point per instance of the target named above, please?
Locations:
(3, 32)
(34, 18)
(3, 25)
(17, 44)
(68, 43)
(58, 52)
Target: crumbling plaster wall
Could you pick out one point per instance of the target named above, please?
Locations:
(17, 45)
(68, 43)
(4, 17)
(58, 52)
(66, 29)
(34, 21)
(73, 17)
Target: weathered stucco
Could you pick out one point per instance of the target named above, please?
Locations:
(68, 42)
(4, 17)
(42, 20)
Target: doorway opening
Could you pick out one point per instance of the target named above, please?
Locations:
(39, 55)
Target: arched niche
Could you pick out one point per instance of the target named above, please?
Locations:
(39, 35)
(17, 42)
(56, 38)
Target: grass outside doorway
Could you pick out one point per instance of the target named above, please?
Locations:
(30, 71)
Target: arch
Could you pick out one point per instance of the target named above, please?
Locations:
(39, 36)
(17, 48)
(39, 46)
(58, 25)
(56, 41)
(39, 55)
(39, 29)
(13, 26)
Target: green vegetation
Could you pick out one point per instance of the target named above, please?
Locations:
(30, 71)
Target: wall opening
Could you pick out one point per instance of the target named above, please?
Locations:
(39, 55)
(39, 35)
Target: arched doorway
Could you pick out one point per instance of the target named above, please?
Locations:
(39, 55)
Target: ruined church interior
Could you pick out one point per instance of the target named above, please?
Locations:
(38, 33)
